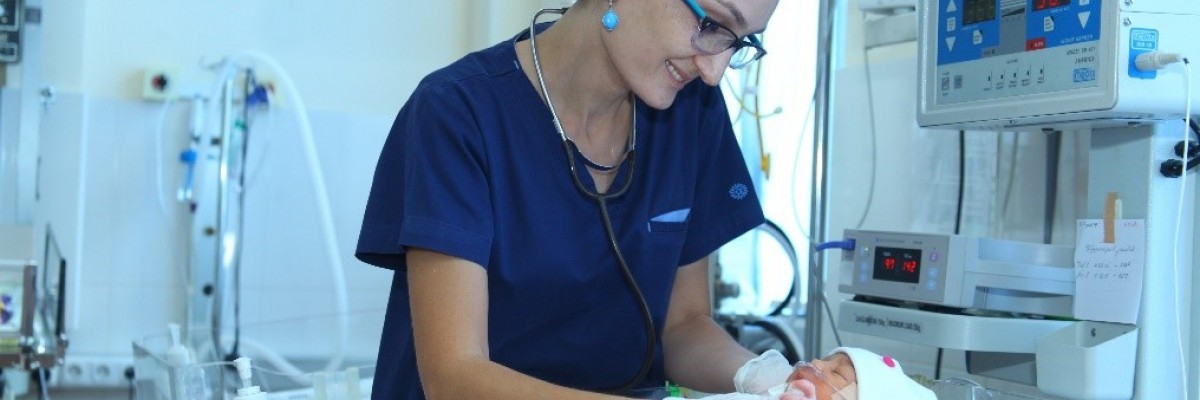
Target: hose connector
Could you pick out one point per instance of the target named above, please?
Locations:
(1156, 60)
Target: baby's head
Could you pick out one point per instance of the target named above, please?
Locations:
(851, 374)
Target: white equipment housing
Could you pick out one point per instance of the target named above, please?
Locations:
(960, 272)
(1007, 64)
(1059, 64)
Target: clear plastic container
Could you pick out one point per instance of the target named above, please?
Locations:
(286, 364)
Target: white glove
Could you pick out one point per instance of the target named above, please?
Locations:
(762, 374)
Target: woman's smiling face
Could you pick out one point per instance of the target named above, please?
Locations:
(653, 49)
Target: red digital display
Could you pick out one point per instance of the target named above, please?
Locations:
(1039, 5)
(897, 265)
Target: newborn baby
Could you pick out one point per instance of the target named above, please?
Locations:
(845, 374)
(852, 374)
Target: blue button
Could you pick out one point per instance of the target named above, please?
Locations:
(931, 285)
(863, 266)
(932, 272)
(934, 256)
(862, 277)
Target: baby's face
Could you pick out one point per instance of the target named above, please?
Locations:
(830, 378)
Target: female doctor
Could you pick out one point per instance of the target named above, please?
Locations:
(549, 205)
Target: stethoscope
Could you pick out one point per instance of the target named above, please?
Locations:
(602, 200)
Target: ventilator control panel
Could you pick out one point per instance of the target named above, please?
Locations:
(1051, 64)
(1002, 48)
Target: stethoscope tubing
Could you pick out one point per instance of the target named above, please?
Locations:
(601, 200)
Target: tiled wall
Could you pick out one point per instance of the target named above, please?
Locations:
(127, 257)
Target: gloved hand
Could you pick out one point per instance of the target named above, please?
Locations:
(762, 374)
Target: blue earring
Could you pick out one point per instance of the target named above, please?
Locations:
(610, 19)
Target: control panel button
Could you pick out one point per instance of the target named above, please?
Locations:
(931, 285)
(934, 256)
(932, 272)
(977, 37)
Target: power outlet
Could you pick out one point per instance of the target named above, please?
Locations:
(159, 83)
(93, 372)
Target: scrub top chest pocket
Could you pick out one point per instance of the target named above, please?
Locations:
(675, 220)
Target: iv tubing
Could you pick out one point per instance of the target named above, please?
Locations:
(1187, 87)
(333, 252)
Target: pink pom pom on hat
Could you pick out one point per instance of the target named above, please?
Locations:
(882, 377)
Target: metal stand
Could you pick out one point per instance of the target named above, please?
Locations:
(1126, 160)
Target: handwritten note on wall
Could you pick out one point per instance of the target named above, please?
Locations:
(1108, 276)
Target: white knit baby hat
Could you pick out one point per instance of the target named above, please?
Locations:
(882, 378)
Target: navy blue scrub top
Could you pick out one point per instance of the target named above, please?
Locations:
(474, 168)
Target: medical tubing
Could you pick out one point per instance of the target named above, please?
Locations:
(43, 384)
(790, 351)
(1187, 88)
(1156, 60)
(829, 312)
(847, 245)
(777, 233)
(1053, 150)
(226, 135)
(259, 352)
(333, 251)
(1187, 146)
(158, 167)
(244, 128)
(796, 166)
(1012, 178)
(937, 365)
(1174, 168)
(874, 136)
(962, 179)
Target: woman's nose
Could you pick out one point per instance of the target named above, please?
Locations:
(712, 67)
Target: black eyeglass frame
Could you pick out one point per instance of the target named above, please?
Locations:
(707, 24)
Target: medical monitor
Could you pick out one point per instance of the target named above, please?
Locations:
(1034, 64)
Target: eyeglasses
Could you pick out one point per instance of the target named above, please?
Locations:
(848, 392)
(713, 38)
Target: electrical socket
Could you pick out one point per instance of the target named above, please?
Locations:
(159, 83)
(92, 372)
